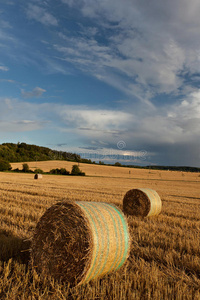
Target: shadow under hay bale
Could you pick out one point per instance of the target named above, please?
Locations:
(142, 202)
(14, 247)
(76, 242)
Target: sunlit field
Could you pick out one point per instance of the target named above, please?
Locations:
(164, 261)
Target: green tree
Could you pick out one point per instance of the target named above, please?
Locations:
(53, 171)
(5, 165)
(76, 171)
(25, 168)
(117, 164)
(38, 171)
(63, 171)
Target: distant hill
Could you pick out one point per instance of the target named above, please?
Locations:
(23, 152)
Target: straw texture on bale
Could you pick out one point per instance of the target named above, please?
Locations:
(76, 242)
(142, 202)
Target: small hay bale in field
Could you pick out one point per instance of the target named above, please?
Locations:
(76, 242)
(142, 202)
(38, 176)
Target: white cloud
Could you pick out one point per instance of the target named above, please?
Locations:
(147, 46)
(8, 103)
(171, 124)
(21, 126)
(177, 123)
(8, 80)
(140, 49)
(138, 127)
(186, 116)
(35, 93)
(95, 119)
(39, 14)
(19, 116)
(5, 24)
(4, 68)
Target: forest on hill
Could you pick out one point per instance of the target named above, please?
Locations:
(21, 152)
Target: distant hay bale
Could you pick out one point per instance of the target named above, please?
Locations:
(38, 176)
(142, 202)
(76, 242)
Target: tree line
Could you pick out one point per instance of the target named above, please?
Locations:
(5, 166)
(21, 152)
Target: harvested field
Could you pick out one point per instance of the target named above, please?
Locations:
(164, 261)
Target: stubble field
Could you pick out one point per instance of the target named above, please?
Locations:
(164, 261)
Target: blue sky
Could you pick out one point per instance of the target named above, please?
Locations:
(103, 78)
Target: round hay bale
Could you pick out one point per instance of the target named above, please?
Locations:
(38, 176)
(76, 242)
(142, 202)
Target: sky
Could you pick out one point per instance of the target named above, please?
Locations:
(111, 80)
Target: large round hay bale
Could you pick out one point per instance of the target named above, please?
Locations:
(142, 202)
(76, 242)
